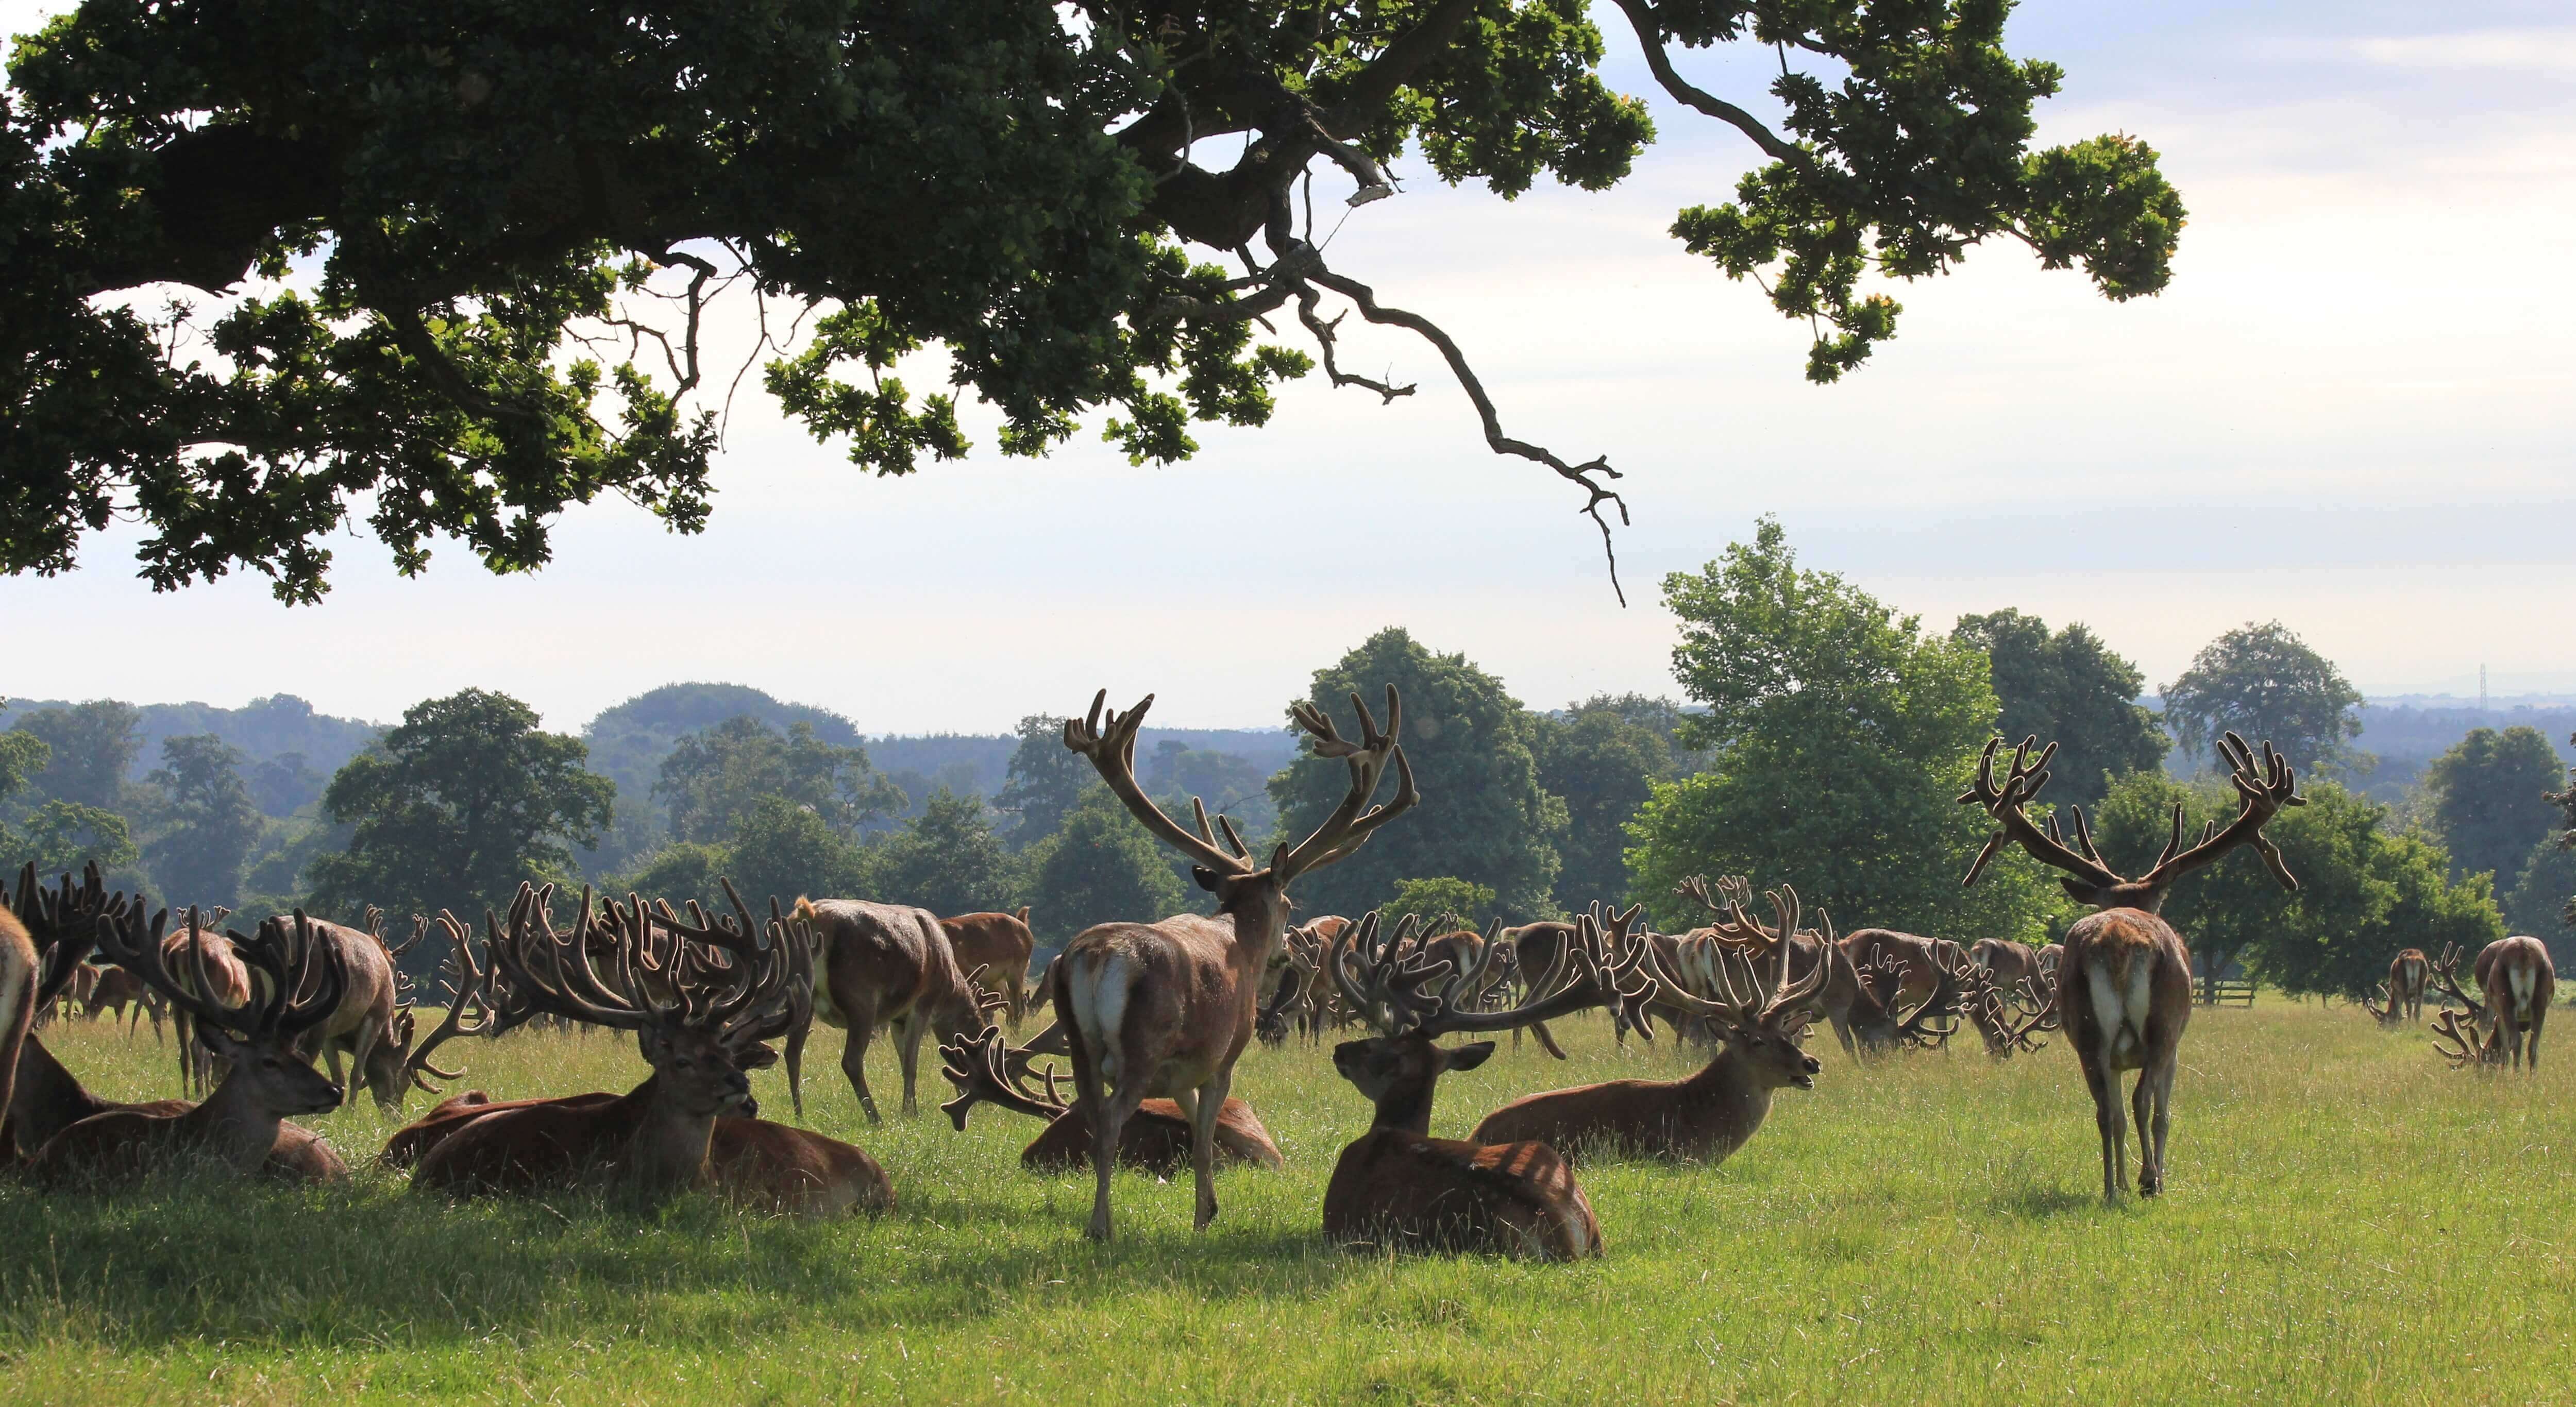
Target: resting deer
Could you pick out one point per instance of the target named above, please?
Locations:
(1397, 1185)
(2515, 976)
(995, 948)
(1164, 1009)
(702, 998)
(2406, 974)
(986, 1070)
(237, 1127)
(2124, 984)
(889, 966)
(1709, 1115)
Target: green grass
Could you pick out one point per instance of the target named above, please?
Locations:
(2348, 1220)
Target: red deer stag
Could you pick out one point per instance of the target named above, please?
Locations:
(702, 998)
(1397, 1185)
(2406, 974)
(2124, 987)
(2515, 976)
(890, 966)
(1157, 1138)
(995, 949)
(237, 1127)
(1708, 1115)
(1869, 975)
(1164, 1009)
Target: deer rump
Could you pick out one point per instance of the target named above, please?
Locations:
(529, 1145)
(1402, 1190)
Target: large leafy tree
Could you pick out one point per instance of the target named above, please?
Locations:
(455, 806)
(2070, 688)
(89, 749)
(1099, 866)
(1602, 766)
(1843, 735)
(1484, 817)
(207, 821)
(2489, 797)
(714, 777)
(56, 836)
(782, 850)
(1044, 782)
(947, 859)
(2264, 682)
(463, 252)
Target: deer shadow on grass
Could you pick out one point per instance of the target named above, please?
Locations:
(187, 1257)
(2035, 1203)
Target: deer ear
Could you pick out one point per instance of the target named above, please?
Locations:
(1206, 877)
(1468, 1057)
(218, 1040)
(755, 1057)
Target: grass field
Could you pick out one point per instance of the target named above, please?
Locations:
(2348, 1220)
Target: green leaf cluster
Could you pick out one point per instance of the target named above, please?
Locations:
(2070, 689)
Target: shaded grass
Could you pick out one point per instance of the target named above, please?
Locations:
(2347, 1221)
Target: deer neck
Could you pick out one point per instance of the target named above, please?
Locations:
(233, 1126)
(666, 1145)
(1729, 1089)
(1260, 918)
(1406, 1108)
(48, 1098)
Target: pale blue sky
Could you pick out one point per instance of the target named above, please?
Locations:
(2351, 411)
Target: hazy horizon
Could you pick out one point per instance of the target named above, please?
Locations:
(2340, 416)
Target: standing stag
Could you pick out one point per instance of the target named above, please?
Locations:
(1164, 1009)
(2515, 976)
(702, 998)
(884, 965)
(995, 949)
(1397, 1185)
(2124, 986)
(2406, 975)
(237, 1128)
(1708, 1115)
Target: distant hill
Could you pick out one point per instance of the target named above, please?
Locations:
(2407, 731)
(629, 741)
(292, 750)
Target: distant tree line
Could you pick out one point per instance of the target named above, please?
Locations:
(1819, 741)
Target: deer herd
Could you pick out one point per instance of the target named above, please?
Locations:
(1149, 1020)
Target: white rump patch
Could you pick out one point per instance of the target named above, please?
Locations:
(1099, 1007)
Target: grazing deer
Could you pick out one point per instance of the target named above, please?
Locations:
(884, 965)
(2515, 976)
(1164, 1009)
(237, 1127)
(1157, 1138)
(1862, 1015)
(702, 998)
(2390, 1010)
(362, 1027)
(2406, 974)
(1708, 1115)
(995, 949)
(2124, 984)
(1397, 1185)
(123, 996)
(213, 971)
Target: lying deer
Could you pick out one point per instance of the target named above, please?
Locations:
(1706, 1116)
(1398, 1186)
(2124, 983)
(1163, 1010)
(1157, 1137)
(702, 998)
(237, 1127)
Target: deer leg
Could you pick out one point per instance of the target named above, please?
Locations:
(854, 1061)
(2106, 1121)
(1842, 1032)
(907, 1048)
(2142, 1104)
(1210, 1105)
(2163, 1078)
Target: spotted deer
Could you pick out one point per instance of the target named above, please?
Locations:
(2124, 983)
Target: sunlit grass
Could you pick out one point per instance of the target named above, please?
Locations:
(2347, 1220)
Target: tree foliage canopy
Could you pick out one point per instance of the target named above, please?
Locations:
(1099, 866)
(206, 822)
(2069, 688)
(1441, 900)
(1484, 817)
(1842, 735)
(2265, 683)
(713, 778)
(89, 749)
(946, 860)
(1045, 780)
(2490, 799)
(464, 252)
(458, 804)
(1603, 767)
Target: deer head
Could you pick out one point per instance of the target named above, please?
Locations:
(1768, 1032)
(304, 981)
